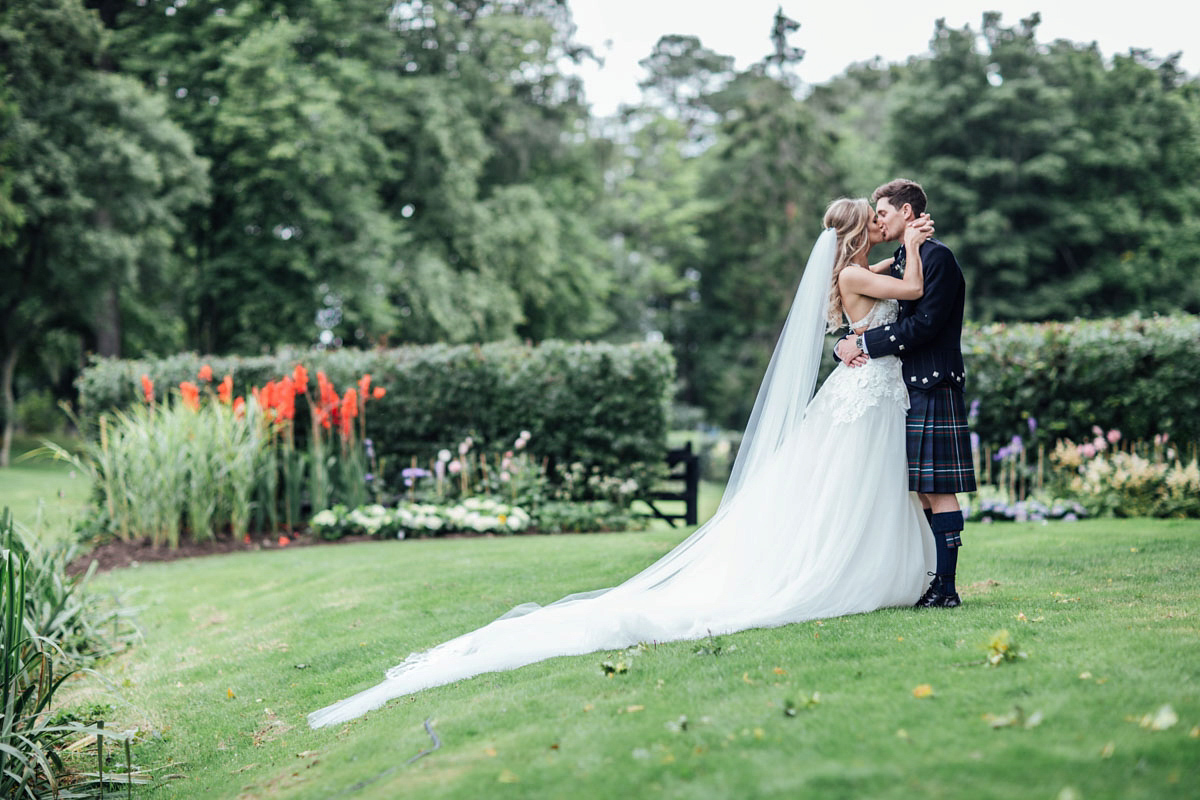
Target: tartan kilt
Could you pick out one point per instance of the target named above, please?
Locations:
(939, 442)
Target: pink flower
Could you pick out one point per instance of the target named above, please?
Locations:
(1099, 443)
(1096, 429)
(455, 467)
(1114, 436)
(463, 448)
(1158, 439)
(519, 444)
(505, 477)
(1087, 450)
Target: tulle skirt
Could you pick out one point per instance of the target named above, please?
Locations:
(826, 528)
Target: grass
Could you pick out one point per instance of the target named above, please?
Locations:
(46, 496)
(239, 648)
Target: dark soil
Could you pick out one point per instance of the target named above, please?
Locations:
(116, 554)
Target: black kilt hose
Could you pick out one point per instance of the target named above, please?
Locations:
(939, 442)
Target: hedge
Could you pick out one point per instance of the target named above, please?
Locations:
(1135, 374)
(602, 405)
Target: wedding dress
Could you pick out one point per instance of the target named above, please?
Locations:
(815, 522)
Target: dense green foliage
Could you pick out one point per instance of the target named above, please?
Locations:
(51, 625)
(238, 177)
(602, 405)
(1133, 374)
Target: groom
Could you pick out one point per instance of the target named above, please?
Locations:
(926, 337)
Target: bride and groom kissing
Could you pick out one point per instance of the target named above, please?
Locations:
(840, 502)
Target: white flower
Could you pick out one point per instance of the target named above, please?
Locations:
(324, 519)
(444, 455)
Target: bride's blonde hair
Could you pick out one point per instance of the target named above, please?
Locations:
(850, 218)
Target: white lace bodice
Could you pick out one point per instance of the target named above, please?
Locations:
(883, 312)
(850, 391)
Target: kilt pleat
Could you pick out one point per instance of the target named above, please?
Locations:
(939, 442)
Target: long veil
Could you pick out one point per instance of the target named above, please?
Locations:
(739, 570)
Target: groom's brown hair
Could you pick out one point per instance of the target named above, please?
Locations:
(901, 191)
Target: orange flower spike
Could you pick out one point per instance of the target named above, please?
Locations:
(300, 379)
(364, 387)
(285, 398)
(225, 389)
(148, 389)
(379, 392)
(205, 373)
(239, 407)
(191, 395)
(349, 410)
(322, 417)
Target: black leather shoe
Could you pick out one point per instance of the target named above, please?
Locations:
(934, 597)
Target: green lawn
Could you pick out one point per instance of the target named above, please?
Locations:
(44, 495)
(239, 648)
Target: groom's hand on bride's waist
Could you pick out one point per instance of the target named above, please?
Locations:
(850, 355)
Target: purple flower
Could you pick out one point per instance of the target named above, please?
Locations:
(974, 440)
(974, 412)
(369, 446)
(1017, 444)
(369, 477)
(1032, 425)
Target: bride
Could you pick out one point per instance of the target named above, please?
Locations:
(816, 520)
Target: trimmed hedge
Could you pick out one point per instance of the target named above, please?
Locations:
(601, 405)
(1136, 374)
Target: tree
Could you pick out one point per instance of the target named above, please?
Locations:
(1059, 180)
(100, 178)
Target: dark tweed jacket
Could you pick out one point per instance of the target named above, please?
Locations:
(927, 336)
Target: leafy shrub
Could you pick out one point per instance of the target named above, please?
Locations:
(31, 671)
(597, 404)
(1136, 373)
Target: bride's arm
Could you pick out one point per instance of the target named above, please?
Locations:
(912, 286)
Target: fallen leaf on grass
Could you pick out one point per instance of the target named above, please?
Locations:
(1085, 676)
(1108, 750)
(1160, 720)
(243, 769)
(746, 678)
(779, 671)
(633, 709)
(1014, 719)
(230, 694)
(1194, 733)
(507, 776)
(924, 690)
(490, 752)
(903, 734)
(588, 708)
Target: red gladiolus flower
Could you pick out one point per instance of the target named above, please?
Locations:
(379, 392)
(329, 397)
(191, 395)
(285, 398)
(205, 373)
(284, 541)
(225, 389)
(349, 412)
(300, 379)
(148, 389)
(239, 407)
(364, 387)
(322, 417)
(267, 396)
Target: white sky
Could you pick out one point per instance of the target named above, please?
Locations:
(837, 33)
